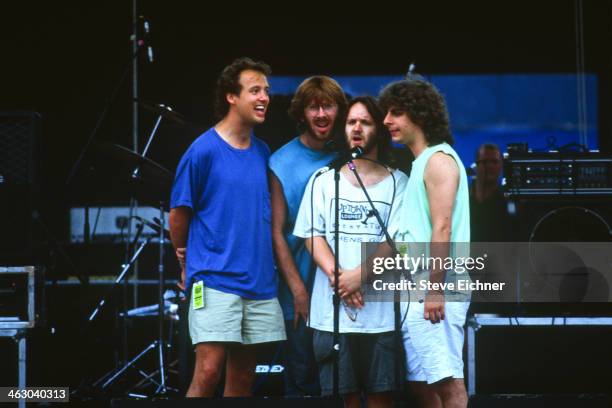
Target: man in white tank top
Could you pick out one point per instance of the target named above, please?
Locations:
(435, 211)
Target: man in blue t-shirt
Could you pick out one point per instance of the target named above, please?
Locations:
(220, 212)
(318, 106)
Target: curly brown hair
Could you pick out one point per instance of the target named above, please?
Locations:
(423, 104)
(319, 88)
(229, 82)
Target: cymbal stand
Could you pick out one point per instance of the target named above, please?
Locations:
(159, 344)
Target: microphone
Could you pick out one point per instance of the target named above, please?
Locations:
(155, 227)
(355, 153)
(410, 72)
(411, 75)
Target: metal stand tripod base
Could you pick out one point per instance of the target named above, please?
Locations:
(161, 384)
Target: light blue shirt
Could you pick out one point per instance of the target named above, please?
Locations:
(293, 164)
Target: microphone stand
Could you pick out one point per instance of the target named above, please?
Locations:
(396, 300)
(337, 165)
(83, 387)
(136, 172)
(336, 297)
(125, 269)
(159, 344)
(375, 212)
(137, 46)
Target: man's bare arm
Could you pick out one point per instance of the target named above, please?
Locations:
(323, 256)
(284, 258)
(179, 231)
(441, 181)
(179, 226)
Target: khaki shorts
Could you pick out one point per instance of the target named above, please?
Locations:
(227, 317)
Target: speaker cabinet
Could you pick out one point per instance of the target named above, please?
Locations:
(19, 139)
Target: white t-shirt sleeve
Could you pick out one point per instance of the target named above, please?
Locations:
(304, 227)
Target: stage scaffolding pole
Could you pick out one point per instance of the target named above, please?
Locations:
(135, 124)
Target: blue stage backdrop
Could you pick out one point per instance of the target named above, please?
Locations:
(540, 109)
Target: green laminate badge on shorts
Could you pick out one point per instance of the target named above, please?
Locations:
(198, 295)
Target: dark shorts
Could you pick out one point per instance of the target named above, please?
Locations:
(367, 362)
(301, 374)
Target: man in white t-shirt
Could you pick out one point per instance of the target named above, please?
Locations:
(367, 355)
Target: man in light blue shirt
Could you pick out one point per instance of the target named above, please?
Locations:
(318, 107)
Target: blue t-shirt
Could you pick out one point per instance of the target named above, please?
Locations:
(230, 240)
(293, 164)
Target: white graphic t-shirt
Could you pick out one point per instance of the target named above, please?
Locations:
(357, 224)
